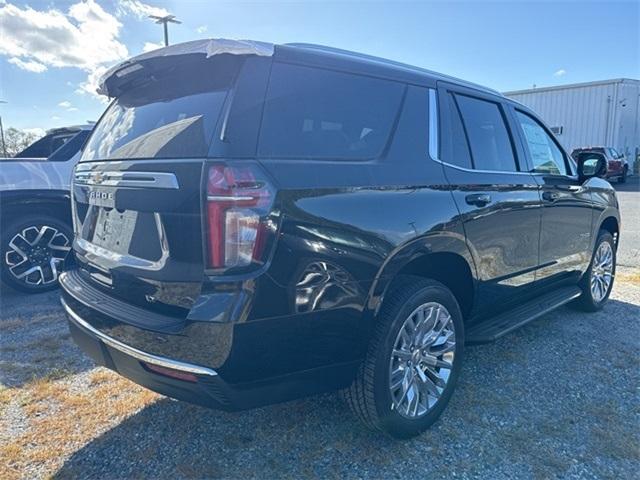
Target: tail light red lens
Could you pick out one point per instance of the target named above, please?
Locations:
(239, 199)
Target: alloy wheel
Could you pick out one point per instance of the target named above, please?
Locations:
(602, 272)
(422, 360)
(35, 254)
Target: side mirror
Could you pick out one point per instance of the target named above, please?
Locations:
(591, 166)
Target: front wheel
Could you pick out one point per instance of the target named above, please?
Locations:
(597, 282)
(413, 361)
(33, 250)
(623, 177)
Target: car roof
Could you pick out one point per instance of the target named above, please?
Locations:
(310, 54)
(323, 55)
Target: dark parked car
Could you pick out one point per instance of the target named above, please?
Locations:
(617, 165)
(255, 223)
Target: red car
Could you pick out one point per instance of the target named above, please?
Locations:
(617, 165)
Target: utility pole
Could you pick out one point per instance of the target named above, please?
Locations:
(4, 145)
(165, 21)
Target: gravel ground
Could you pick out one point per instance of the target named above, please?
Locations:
(558, 398)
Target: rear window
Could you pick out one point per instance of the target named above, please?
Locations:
(315, 113)
(70, 147)
(170, 114)
(45, 146)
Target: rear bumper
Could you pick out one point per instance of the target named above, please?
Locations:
(208, 390)
(206, 386)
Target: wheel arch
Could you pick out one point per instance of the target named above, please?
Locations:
(443, 257)
(611, 224)
(56, 203)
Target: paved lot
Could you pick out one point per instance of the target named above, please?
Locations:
(558, 398)
(629, 198)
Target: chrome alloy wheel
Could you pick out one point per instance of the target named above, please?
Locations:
(35, 254)
(601, 271)
(422, 360)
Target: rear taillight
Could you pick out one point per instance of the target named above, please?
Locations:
(239, 199)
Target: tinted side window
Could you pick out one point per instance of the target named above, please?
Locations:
(455, 149)
(491, 147)
(543, 151)
(314, 113)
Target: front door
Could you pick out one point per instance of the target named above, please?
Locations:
(498, 199)
(565, 237)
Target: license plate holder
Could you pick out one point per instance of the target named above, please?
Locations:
(114, 229)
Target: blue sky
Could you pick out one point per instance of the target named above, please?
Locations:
(52, 51)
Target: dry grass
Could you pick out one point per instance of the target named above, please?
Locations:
(61, 422)
(632, 276)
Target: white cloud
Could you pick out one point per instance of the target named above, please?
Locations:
(29, 65)
(66, 104)
(201, 29)
(84, 37)
(560, 73)
(148, 46)
(139, 9)
(90, 85)
(55, 117)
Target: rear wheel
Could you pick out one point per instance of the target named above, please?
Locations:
(33, 250)
(597, 282)
(413, 361)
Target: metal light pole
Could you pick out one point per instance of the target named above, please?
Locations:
(165, 21)
(4, 145)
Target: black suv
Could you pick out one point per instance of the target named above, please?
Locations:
(257, 222)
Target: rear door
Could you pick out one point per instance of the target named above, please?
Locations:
(497, 197)
(565, 237)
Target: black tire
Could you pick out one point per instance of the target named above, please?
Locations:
(369, 396)
(623, 177)
(586, 301)
(54, 243)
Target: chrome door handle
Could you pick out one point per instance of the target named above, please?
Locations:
(478, 199)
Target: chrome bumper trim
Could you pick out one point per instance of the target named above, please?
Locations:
(134, 352)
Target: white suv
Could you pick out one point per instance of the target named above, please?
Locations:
(35, 214)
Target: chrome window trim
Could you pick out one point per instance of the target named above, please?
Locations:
(434, 140)
(117, 178)
(433, 125)
(134, 352)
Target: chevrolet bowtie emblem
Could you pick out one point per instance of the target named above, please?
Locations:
(97, 178)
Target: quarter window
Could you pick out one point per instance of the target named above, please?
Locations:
(455, 149)
(543, 151)
(315, 113)
(486, 130)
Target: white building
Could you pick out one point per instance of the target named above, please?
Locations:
(605, 113)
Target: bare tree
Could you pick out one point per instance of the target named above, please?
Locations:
(17, 140)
